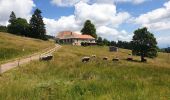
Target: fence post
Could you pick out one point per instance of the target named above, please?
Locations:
(18, 61)
(0, 70)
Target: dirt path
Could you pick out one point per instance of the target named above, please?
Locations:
(7, 66)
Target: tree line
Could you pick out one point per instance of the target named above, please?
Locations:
(19, 26)
(119, 43)
(165, 50)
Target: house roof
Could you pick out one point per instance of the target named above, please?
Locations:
(69, 34)
(85, 36)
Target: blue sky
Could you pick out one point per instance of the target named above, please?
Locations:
(114, 19)
(53, 11)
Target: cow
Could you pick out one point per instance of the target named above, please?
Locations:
(129, 59)
(115, 59)
(144, 60)
(93, 56)
(105, 58)
(46, 58)
(85, 59)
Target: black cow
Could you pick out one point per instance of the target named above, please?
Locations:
(105, 58)
(46, 58)
(144, 60)
(130, 59)
(85, 59)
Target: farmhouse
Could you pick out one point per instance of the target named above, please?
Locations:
(68, 37)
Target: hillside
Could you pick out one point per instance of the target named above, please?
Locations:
(11, 46)
(67, 78)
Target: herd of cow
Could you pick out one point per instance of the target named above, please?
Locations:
(84, 59)
(87, 59)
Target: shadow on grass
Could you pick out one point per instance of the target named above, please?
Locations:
(137, 61)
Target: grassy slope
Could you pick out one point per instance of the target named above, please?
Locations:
(11, 46)
(66, 78)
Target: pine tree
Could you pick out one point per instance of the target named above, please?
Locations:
(89, 29)
(12, 21)
(37, 26)
(12, 18)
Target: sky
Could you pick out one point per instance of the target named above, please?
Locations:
(114, 19)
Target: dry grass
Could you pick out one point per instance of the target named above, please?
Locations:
(12, 46)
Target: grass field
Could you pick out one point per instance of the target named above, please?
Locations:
(12, 46)
(67, 78)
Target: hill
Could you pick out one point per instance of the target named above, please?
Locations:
(67, 78)
(12, 46)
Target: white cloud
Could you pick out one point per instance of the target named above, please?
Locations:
(62, 24)
(22, 8)
(102, 1)
(164, 41)
(132, 1)
(98, 13)
(66, 3)
(121, 1)
(113, 34)
(162, 25)
(158, 19)
(102, 14)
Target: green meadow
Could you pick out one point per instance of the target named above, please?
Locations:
(67, 78)
(12, 46)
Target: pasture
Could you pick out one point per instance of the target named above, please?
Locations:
(12, 46)
(67, 78)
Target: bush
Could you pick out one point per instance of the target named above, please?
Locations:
(3, 29)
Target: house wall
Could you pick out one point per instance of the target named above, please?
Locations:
(75, 41)
(79, 41)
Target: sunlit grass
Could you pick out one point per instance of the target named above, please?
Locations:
(67, 78)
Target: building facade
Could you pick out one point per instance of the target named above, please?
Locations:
(68, 37)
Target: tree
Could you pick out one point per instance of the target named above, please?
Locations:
(144, 44)
(100, 41)
(12, 18)
(19, 27)
(3, 28)
(22, 26)
(124, 44)
(37, 26)
(167, 50)
(106, 42)
(89, 29)
(113, 43)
